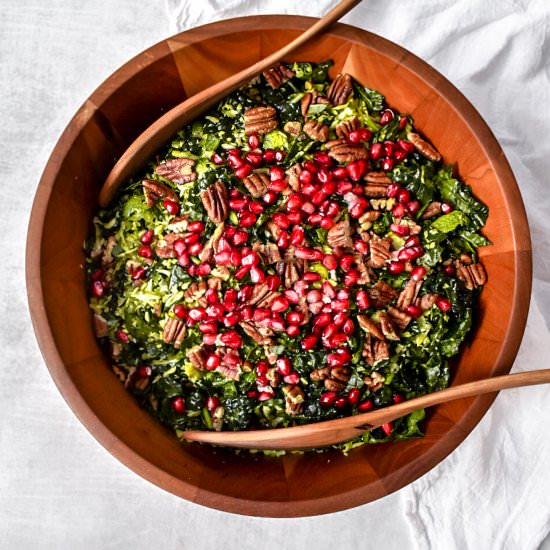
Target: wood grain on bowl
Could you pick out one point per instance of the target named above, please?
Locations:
(294, 485)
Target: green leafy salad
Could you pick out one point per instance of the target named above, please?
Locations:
(299, 253)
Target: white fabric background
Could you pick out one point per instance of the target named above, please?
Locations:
(59, 489)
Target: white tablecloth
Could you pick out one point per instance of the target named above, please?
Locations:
(60, 489)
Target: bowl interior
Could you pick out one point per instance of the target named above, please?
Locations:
(66, 198)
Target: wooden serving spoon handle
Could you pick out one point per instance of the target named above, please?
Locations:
(156, 135)
(335, 431)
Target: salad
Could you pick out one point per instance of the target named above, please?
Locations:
(299, 253)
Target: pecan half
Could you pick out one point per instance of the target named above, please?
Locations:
(293, 176)
(317, 130)
(427, 301)
(388, 327)
(195, 294)
(374, 351)
(370, 327)
(261, 335)
(257, 184)
(268, 252)
(155, 190)
(379, 251)
(424, 147)
(311, 98)
(365, 222)
(375, 190)
(381, 294)
(409, 293)
(399, 318)
(375, 381)
(290, 270)
(215, 201)
(261, 120)
(174, 331)
(433, 209)
(472, 275)
(366, 274)
(340, 235)
(321, 373)
(278, 75)
(197, 357)
(178, 170)
(377, 177)
(340, 89)
(262, 296)
(343, 152)
(344, 129)
(294, 399)
(211, 246)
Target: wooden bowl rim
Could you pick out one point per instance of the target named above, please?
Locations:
(177, 486)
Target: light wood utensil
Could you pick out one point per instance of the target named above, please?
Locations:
(156, 135)
(335, 431)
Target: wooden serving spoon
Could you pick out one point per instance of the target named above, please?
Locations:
(159, 133)
(330, 432)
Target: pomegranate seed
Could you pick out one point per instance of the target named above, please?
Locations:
(273, 282)
(210, 327)
(314, 296)
(361, 246)
(184, 260)
(304, 253)
(216, 159)
(398, 211)
(295, 217)
(347, 261)
(318, 197)
(196, 227)
(222, 258)
(144, 371)
(180, 311)
(353, 396)
(443, 304)
(283, 240)
(276, 173)
(246, 313)
(328, 398)
(308, 189)
(354, 136)
(277, 185)
(262, 367)
(348, 327)
(189, 239)
(203, 269)
(138, 273)
(293, 378)
(389, 148)
(330, 262)
(414, 311)
(295, 317)
(446, 207)
(147, 237)
(247, 219)
(322, 157)
(261, 314)
(399, 155)
(97, 275)
(418, 273)
(277, 323)
(270, 197)
(413, 206)
(245, 293)
(279, 305)
(323, 320)
(387, 428)
(314, 219)
(212, 403)
(387, 116)
(242, 271)
(403, 122)
(449, 270)
(376, 151)
(309, 342)
(351, 277)
(388, 164)
(308, 208)
(294, 202)
(256, 207)
(238, 204)
(257, 275)
(310, 165)
(356, 169)
(305, 177)
(397, 398)
(178, 405)
(413, 240)
(253, 394)
(244, 170)
(232, 359)
(403, 196)
(311, 277)
(280, 156)
(410, 253)
(192, 270)
(269, 155)
(215, 311)
(232, 339)
(197, 314)
(122, 336)
(265, 395)
(340, 305)
(145, 251)
(340, 173)
(406, 146)
(292, 296)
(341, 402)
(329, 187)
(232, 318)
(235, 161)
(194, 248)
(171, 207)
(250, 259)
(235, 258)
(343, 294)
(327, 223)
(293, 330)
(297, 236)
(396, 267)
(365, 405)
(254, 140)
(283, 366)
(362, 299)
(357, 210)
(281, 220)
(328, 290)
(401, 230)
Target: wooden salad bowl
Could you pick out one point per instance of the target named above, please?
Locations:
(66, 198)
